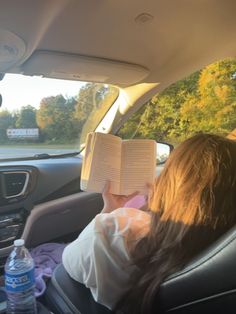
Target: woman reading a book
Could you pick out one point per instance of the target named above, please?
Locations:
(124, 254)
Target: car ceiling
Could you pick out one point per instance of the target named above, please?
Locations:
(168, 38)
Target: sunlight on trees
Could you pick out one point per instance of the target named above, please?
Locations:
(203, 102)
(61, 119)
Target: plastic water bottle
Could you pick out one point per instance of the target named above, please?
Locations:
(19, 280)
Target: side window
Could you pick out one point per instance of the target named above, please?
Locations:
(205, 101)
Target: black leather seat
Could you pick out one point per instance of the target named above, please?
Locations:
(206, 285)
(66, 296)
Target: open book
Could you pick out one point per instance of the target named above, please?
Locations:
(128, 164)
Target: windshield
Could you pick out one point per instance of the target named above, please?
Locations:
(49, 116)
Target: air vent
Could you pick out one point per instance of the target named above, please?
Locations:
(15, 183)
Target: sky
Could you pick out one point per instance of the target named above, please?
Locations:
(19, 90)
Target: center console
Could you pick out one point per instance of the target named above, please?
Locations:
(11, 226)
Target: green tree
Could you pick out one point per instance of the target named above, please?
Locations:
(26, 117)
(204, 101)
(6, 121)
(86, 101)
(93, 101)
(214, 110)
(55, 118)
(160, 117)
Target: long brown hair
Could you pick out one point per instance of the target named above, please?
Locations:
(193, 203)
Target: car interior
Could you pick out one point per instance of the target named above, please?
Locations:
(139, 48)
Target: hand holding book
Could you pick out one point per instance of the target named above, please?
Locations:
(112, 201)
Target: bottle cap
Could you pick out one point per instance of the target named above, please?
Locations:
(19, 242)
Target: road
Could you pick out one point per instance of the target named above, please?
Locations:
(14, 152)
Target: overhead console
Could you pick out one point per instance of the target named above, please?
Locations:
(83, 68)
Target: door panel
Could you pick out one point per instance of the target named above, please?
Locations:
(61, 217)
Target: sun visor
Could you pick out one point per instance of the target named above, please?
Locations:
(82, 68)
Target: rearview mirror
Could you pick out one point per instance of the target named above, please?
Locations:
(163, 152)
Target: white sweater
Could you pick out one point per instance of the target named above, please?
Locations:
(99, 257)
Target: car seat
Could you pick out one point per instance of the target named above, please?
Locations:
(206, 285)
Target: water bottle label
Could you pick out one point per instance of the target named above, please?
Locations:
(19, 282)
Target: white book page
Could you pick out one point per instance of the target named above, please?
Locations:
(87, 161)
(138, 165)
(106, 163)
